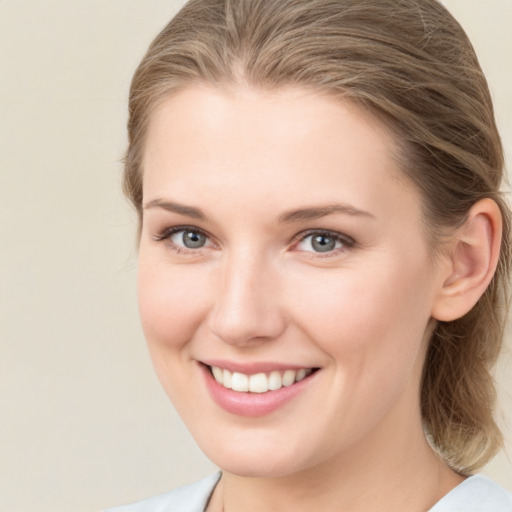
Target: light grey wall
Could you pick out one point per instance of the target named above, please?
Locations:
(84, 423)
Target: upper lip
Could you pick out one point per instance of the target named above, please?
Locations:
(251, 368)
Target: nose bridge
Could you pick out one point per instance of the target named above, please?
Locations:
(246, 307)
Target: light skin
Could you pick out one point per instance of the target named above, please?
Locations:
(306, 249)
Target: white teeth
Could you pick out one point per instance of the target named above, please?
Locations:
(289, 377)
(300, 374)
(239, 382)
(275, 381)
(259, 382)
(218, 374)
(226, 378)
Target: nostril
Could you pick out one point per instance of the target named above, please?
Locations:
(248, 329)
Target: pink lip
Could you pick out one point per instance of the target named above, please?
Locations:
(251, 404)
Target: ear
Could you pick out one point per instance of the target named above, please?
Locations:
(472, 261)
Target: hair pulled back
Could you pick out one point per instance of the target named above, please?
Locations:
(410, 64)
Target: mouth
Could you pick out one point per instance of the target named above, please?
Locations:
(262, 382)
(257, 388)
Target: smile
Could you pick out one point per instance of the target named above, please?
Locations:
(259, 382)
(257, 388)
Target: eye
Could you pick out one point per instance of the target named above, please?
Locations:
(189, 239)
(184, 238)
(323, 242)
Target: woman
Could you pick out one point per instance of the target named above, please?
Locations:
(323, 253)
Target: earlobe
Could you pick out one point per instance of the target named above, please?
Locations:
(473, 259)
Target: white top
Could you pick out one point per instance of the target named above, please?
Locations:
(476, 494)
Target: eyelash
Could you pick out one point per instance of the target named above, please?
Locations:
(166, 235)
(346, 241)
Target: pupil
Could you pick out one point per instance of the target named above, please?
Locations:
(193, 240)
(323, 243)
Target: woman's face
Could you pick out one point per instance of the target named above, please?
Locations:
(282, 248)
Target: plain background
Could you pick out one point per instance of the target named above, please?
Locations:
(84, 424)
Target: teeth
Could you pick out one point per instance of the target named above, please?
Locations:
(218, 374)
(226, 379)
(300, 375)
(275, 381)
(259, 382)
(239, 382)
(289, 377)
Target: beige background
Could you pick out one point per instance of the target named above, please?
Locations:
(84, 424)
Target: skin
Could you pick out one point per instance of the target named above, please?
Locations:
(258, 291)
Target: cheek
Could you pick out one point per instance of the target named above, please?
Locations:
(373, 315)
(171, 304)
(372, 326)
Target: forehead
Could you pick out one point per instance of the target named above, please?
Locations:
(278, 111)
(240, 139)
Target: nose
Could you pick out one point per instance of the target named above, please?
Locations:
(246, 308)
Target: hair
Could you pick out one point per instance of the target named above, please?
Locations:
(411, 65)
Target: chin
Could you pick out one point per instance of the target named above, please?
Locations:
(255, 460)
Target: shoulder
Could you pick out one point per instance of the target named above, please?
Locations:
(476, 494)
(190, 498)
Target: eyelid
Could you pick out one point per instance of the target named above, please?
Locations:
(166, 234)
(347, 241)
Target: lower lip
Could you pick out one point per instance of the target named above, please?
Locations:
(252, 404)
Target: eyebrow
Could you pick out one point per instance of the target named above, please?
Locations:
(297, 215)
(182, 209)
(317, 212)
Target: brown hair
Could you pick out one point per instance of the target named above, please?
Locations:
(411, 64)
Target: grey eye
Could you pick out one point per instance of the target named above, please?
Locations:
(189, 239)
(193, 240)
(323, 243)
